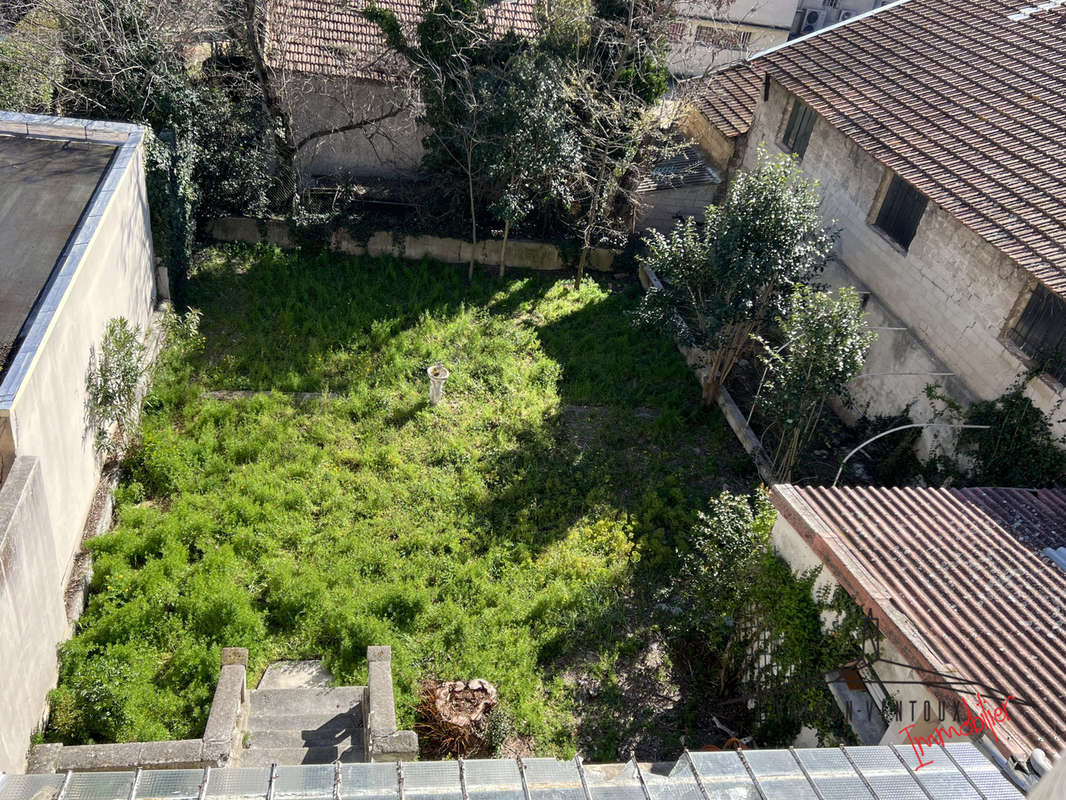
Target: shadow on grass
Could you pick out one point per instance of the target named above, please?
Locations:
(303, 322)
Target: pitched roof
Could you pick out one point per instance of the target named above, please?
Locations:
(964, 99)
(728, 97)
(332, 38)
(955, 579)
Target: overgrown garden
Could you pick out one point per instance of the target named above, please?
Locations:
(570, 523)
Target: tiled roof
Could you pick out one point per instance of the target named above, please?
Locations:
(964, 99)
(331, 37)
(728, 97)
(956, 582)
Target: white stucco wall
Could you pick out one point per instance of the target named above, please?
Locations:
(115, 278)
(953, 290)
(32, 611)
(107, 272)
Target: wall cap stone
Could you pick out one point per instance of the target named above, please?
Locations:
(235, 655)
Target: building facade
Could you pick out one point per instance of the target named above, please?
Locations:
(75, 252)
(940, 161)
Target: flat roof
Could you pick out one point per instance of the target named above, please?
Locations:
(45, 186)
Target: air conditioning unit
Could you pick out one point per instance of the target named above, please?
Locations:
(813, 19)
(846, 15)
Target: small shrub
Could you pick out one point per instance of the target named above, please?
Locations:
(1017, 448)
(112, 385)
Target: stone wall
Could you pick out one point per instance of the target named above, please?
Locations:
(951, 289)
(521, 254)
(662, 209)
(383, 741)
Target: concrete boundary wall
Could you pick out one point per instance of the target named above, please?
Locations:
(105, 270)
(383, 741)
(521, 253)
(221, 739)
(32, 610)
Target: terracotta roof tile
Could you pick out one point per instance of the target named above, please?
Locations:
(962, 101)
(331, 37)
(959, 573)
(728, 97)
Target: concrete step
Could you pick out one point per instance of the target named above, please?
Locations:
(264, 757)
(282, 702)
(329, 722)
(306, 737)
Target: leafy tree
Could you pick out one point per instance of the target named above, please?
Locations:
(825, 342)
(560, 122)
(448, 53)
(758, 626)
(616, 63)
(725, 282)
(530, 150)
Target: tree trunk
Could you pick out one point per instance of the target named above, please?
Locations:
(503, 247)
(709, 388)
(280, 121)
(473, 218)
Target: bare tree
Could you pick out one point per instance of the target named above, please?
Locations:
(317, 83)
(103, 55)
(619, 74)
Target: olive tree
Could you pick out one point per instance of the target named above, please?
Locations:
(725, 281)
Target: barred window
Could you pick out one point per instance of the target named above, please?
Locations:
(901, 212)
(1040, 333)
(676, 31)
(799, 127)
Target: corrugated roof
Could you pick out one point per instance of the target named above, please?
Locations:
(854, 773)
(728, 97)
(331, 37)
(964, 99)
(685, 168)
(956, 581)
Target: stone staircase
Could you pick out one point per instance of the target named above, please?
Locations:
(296, 717)
(304, 726)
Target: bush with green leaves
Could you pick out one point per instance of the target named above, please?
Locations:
(113, 384)
(761, 646)
(726, 280)
(1017, 446)
(823, 345)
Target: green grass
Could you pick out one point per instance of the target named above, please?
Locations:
(492, 536)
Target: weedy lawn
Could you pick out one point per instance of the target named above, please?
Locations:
(522, 531)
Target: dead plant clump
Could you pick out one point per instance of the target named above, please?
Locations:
(453, 718)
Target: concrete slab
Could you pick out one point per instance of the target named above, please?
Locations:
(295, 675)
(45, 186)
